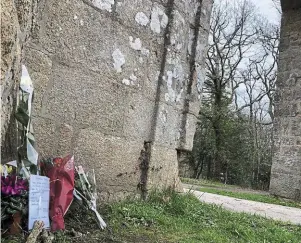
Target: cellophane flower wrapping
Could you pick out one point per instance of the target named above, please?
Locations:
(85, 192)
(61, 174)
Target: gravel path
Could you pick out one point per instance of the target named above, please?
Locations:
(277, 212)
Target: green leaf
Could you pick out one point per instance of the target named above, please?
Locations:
(33, 169)
(22, 116)
(26, 162)
(24, 96)
(24, 105)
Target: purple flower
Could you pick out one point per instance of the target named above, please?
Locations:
(12, 185)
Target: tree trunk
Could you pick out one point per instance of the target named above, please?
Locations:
(209, 174)
(199, 167)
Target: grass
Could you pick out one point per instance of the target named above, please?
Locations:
(207, 183)
(170, 217)
(182, 218)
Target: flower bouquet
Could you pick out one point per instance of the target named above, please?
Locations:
(61, 174)
(14, 201)
(85, 192)
(15, 174)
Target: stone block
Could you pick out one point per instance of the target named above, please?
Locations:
(163, 167)
(175, 79)
(187, 8)
(78, 34)
(295, 126)
(201, 48)
(286, 164)
(115, 160)
(285, 185)
(52, 138)
(167, 127)
(65, 139)
(179, 33)
(286, 141)
(102, 45)
(85, 99)
(194, 107)
(39, 66)
(151, 80)
(190, 131)
(135, 15)
(283, 125)
(46, 133)
(158, 19)
(206, 14)
(139, 117)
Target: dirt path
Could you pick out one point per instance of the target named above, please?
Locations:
(277, 212)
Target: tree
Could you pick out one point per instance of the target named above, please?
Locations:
(231, 36)
(237, 106)
(277, 6)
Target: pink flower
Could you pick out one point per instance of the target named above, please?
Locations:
(12, 185)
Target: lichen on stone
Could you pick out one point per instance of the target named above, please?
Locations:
(158, 20)
(135, 44)
(104, 4)
(141, 19)
(119, 60)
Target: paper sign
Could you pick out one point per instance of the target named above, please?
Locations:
(39, 189)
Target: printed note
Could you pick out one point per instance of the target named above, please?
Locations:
(39, 189)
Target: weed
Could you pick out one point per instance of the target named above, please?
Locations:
(182, 218)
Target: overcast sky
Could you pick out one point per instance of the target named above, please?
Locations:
(266, 7)
(268, 10)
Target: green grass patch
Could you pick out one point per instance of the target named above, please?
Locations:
(170, 217)
(207, 183)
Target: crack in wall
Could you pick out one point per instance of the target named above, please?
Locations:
(145, 156)
(144, 168)
(169, 13)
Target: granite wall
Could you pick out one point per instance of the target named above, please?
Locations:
(17, 20)
(117, 83)
(286, 168)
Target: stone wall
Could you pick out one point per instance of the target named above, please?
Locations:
(286, 168)
(117, 83)
(16, 25)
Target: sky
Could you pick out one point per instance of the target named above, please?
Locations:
(266, 7)
(268, 10)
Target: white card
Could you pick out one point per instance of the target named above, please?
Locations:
(39, 188)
